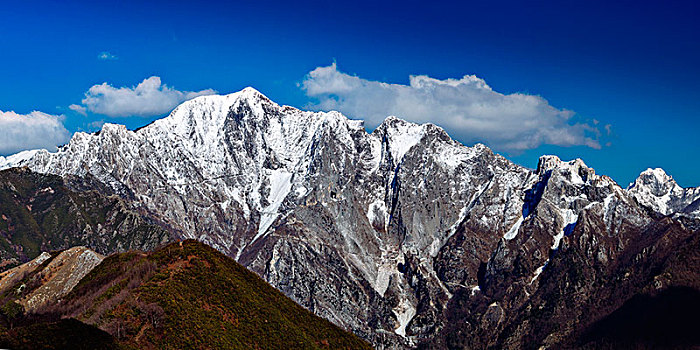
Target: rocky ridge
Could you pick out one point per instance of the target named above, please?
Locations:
(48, 278)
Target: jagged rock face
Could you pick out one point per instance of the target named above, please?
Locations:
(591, 275)
(376, 232)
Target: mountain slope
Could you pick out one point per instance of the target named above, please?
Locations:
(45, 212)
(306, 199)
(376, 232)
(188, 295)
(590, 277)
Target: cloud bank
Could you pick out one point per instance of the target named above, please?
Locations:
(149, 98)
(466, 108)
(30, 131)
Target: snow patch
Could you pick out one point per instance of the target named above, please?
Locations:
(403, 136)
(47, 190)
(383, 278)
(377, 213)
(539, 271)
(300, 191)
(606, 205)
(404, 312)
(452, 156)
(514, 229)
(569, 217)
(280, 185)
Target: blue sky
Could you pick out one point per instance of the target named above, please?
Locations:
(632, 65)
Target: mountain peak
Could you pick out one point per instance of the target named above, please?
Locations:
(549, 162)
(658, 174)
(656, 189)
(393, 121)
(575, 171)
(114, 128)
(251, 93)
(248, 94)
(656, 180)
(401, 135)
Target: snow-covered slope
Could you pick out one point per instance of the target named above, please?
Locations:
(374, 231)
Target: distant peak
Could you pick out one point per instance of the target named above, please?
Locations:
(656, 178)
(658, 173)
(394, 120)
(249, 94)
(401, 135)
(396, 126)
(250, 91)
(547, 162)
(656, 189)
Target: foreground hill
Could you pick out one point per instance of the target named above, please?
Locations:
(184, 295)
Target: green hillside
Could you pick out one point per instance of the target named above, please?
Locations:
(189, 296)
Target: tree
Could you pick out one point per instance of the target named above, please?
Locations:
(13, 312)
(154, 313)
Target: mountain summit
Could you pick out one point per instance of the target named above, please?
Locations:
(660, 192)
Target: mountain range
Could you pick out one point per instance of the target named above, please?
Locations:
(403, 236)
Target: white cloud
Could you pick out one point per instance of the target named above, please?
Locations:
(96, 124)
(78, 108)
(31, 131)
(106, 56)
(608, 129)
(148, 98)
(467, 108)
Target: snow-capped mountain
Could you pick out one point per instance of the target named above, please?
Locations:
(384, 233)
(658, 191)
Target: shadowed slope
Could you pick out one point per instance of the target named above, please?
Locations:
(46, 212)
